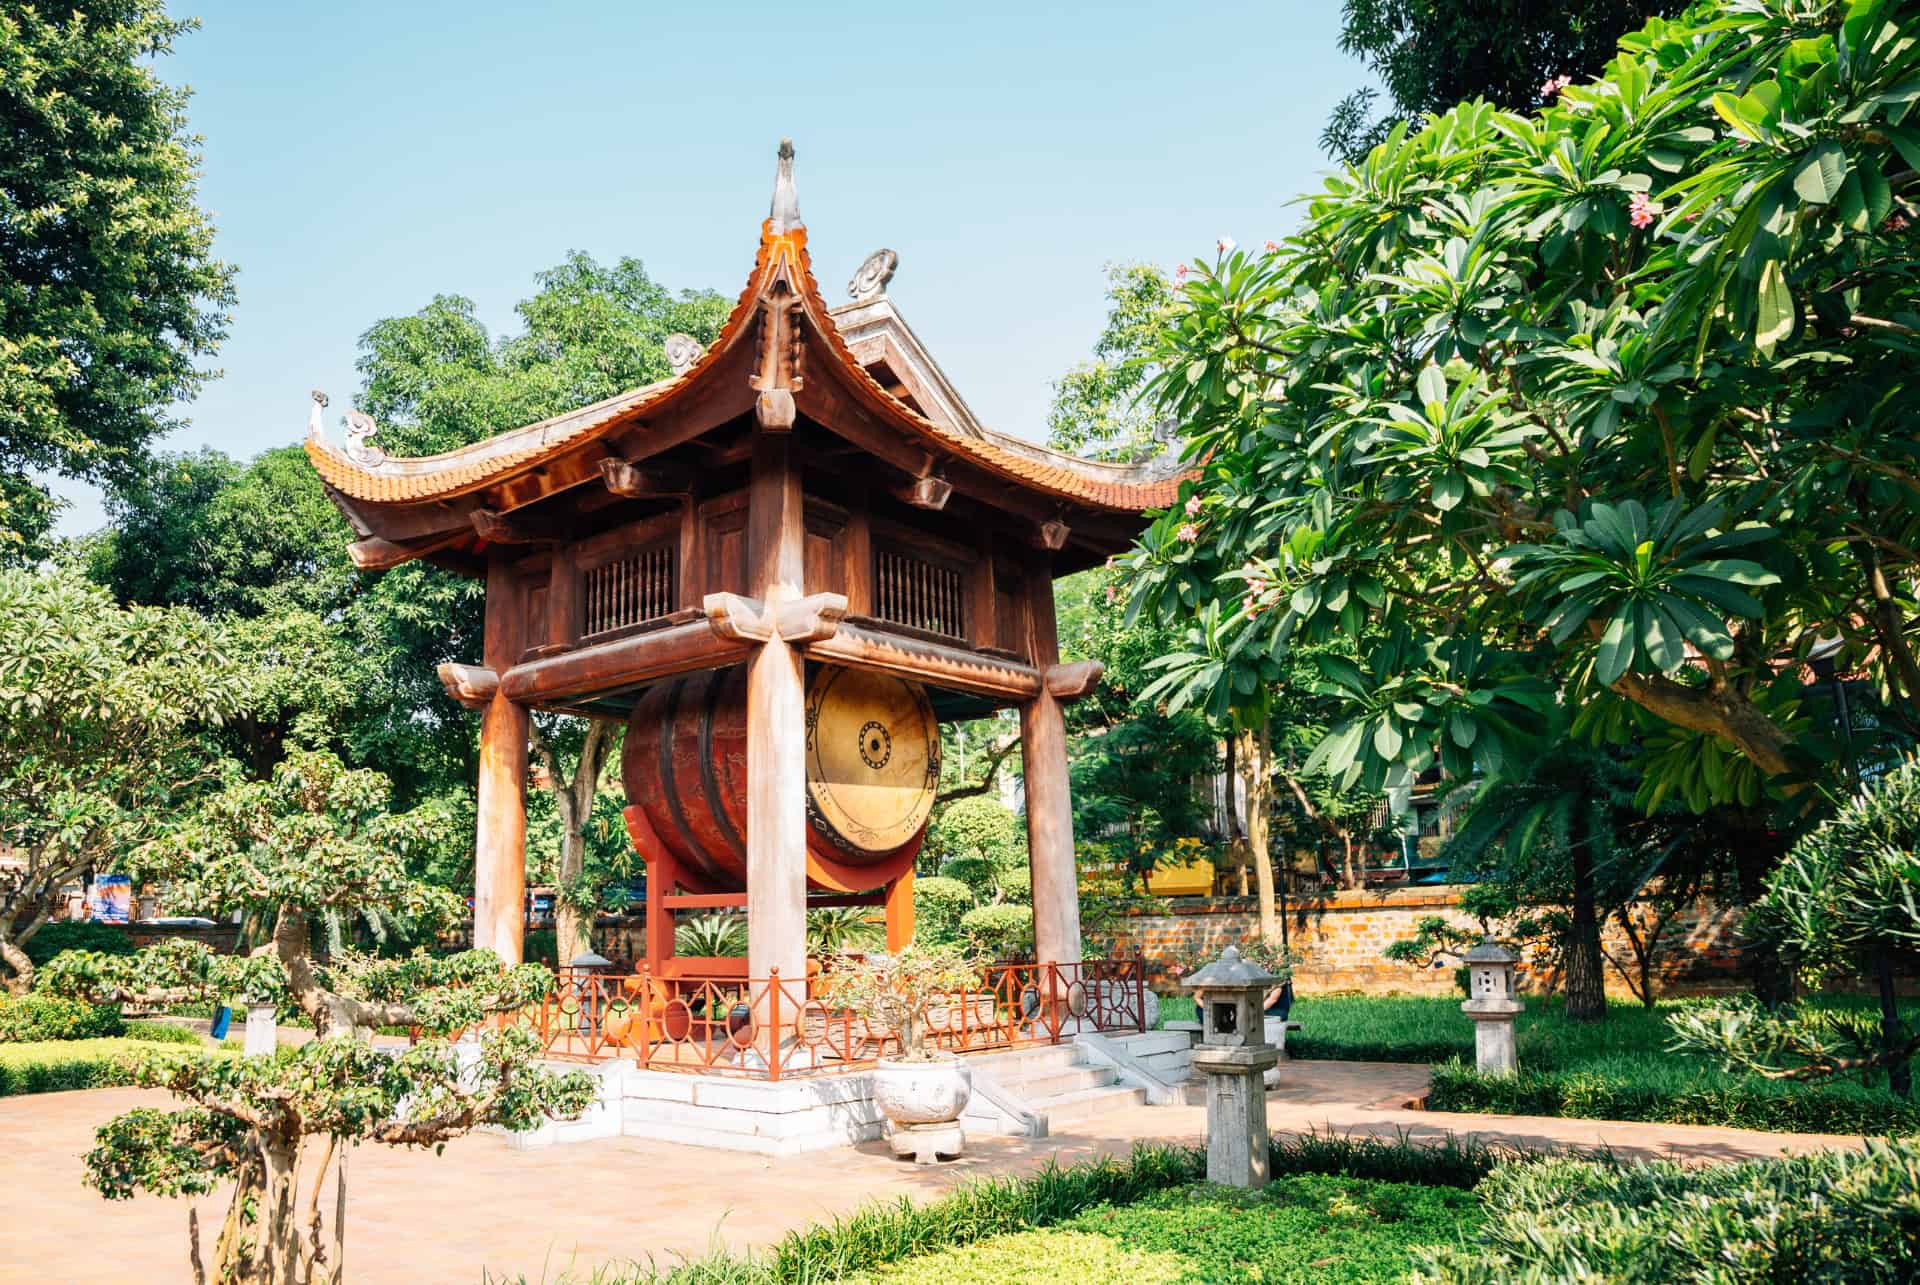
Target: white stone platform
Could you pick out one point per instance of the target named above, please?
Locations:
(816, 1112)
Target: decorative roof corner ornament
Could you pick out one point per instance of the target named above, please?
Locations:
(682, 352)
(316, 421)
(784, 214)
(870, 282)
(360, 427)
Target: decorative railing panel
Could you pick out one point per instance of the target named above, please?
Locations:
(766, 1028)
(629, 590)
(919, 593)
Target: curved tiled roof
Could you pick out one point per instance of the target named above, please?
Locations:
(378, 479)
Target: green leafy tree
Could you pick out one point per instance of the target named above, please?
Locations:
(1097, 410)
(580, 884)
(1842, 902)
(109, 291)
(316, 839)
(1602, 404)
(1430, 54)
(105, 716)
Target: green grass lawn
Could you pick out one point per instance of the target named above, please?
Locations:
(1306, 1227)
(53, 1066)
(1616, 1069)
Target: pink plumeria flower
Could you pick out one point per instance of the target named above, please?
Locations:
(1188, 533)
(1554, 85)
(1640, 211)
(1113, 592)
(1257, 587)
(1193, 506)
(1226, 245)
(1180, 273)
(1270, 247)
(1896, 222)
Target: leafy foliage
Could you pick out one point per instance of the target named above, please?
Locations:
(897, 991)
(938, 905)
(1431, 54)
(26, 1018)
(1604, 398)
(1097, 412)
(721, 933)
(998, 932)
(109, 291)
(1830, 1216)
(103, 719)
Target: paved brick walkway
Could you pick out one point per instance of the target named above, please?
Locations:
(416, 1218)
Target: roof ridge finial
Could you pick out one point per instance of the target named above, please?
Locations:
(785, 211)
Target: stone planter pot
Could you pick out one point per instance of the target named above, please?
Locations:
(922, 1102)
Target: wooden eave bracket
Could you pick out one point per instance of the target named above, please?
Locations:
(1051, 535)
(930, 492)
(471, 685)
(496, 529)
(627, 479)
(813, 618)
(1069, 682)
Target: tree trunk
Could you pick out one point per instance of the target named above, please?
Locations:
(20, 975)
(1254, 761)
(1586, 984)
(573, 923)
(1893, 1032)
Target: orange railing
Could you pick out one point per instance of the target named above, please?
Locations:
(766, 1028)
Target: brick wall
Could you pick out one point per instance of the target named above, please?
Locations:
(1342, 935)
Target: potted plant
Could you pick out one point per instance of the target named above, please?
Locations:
(921, 1090)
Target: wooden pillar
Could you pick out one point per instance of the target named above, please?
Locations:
(500, 844)
(900, 913)
(1043, 750)
(776, 728)
(663, 876)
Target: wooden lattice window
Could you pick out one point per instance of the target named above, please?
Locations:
(919, 593)
(631, 589)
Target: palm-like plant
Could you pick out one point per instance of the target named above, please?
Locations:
(712, 936)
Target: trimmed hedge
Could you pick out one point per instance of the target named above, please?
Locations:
(1641, 1091)
(1839, 1216)
(56, 1066)
(31, 1018)
(78, 934)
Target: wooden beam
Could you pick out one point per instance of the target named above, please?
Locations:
(1069, 683)
(870, 645)
(495, 529)
(471, 685)
(608, 667)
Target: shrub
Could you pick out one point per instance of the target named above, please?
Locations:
(77, 934)
(981, 828)
(999, 932)
(938, 904)
(1638, 1089)
(723, 934)
(1832, 1216)
(162, 1033)
(29, 1018)
(541, 947)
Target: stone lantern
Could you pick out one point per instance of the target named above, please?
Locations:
(1233, 1053)
(1493, 1006)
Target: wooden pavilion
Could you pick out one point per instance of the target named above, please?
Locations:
(807, 492)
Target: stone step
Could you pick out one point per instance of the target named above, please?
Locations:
(1050, 1084)
(1015, 1064)
(1086, 1104)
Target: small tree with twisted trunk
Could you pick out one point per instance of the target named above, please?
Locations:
(316, 838)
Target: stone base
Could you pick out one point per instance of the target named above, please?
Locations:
(927, 1143)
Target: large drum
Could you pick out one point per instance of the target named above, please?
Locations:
(873, 765)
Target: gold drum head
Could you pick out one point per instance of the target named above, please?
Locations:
(873, 758)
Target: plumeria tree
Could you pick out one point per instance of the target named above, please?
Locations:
(315, 839)
(106, 716)
(1606, 404)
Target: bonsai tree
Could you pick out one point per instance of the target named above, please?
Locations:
(1844, 901)
(317, 838)
(896, 993)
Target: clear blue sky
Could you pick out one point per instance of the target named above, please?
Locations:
(363, 157)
